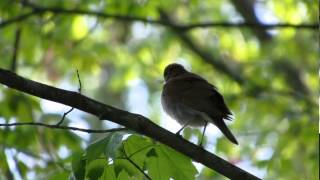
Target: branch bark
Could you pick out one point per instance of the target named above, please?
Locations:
(132, 121)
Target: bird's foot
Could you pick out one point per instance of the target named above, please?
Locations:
(201, 145)
(178, 134)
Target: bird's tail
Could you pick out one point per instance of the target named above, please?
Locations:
(225, 130)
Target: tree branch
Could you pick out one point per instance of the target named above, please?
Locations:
(132, 121)
(63, 127)
(18, 18)
(248, 25)
(219, 64)
(38, 10)
(71, 109)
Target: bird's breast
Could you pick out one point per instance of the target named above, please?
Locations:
(180, 112)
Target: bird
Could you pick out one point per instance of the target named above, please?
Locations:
(193, 101)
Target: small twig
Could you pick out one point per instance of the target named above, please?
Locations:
(247, 24)
(64, 115)
(64, 127)
(79, 89)
(134, 164)
(71, 109)
(18, 18)
(13, 67)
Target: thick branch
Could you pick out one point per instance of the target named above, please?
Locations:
(132, 121)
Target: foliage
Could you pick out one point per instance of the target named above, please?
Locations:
(121, 63)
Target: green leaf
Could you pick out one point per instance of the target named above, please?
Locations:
(78, 165)
(113, 144)
(108, 173)
(123, 175)
(137, 147)
(23, 168)
(95, 169)
(60, 175)
(157, 169)
(106, 146)
(124, 165)
(170, 163)
(24, 112)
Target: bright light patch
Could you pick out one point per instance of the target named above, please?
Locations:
(79, 27)
(169, 123)
(138, 98)
(81, 124)
(63, 152)
(140, 30)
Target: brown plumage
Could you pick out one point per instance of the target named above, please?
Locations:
(191, 100)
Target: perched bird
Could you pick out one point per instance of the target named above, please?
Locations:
(193, 101)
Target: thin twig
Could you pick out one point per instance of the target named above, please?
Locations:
(15, 50)
(80, 86)
(63, 127)
(248, 24)
(71, 109)
(133, 163)
(18, 18)
(64, 115)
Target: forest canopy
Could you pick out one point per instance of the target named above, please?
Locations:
(261, 55)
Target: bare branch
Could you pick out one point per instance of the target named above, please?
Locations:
(79, 80)
(63, 127)
(64, 116)
(248, 24)
(71, 109)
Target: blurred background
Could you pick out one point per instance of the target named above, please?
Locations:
(262, 55)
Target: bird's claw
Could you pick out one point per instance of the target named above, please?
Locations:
(178, 134)
(201, 145)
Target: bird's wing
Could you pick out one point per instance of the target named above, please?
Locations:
(202, 96)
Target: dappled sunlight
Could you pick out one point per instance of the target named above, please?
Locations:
(261, 56)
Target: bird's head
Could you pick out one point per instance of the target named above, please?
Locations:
(173, 70)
